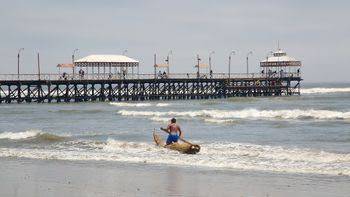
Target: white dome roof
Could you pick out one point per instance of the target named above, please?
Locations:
(279, 58)
(106, 58)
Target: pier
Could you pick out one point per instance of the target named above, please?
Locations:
(143, 87)
(115, 80)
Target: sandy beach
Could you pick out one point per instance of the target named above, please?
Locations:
(25, 177)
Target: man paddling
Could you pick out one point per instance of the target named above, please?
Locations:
(174, 132)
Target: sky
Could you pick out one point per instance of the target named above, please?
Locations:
(314, 31)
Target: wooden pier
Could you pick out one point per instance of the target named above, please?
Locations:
(49, 89)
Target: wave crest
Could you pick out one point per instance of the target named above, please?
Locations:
(324, 90)
(31, 135)
(237, 156)
(19, 135)
(124, 104)
(160, 119)
(245, 114)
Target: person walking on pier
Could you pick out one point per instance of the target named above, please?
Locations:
(81, 73)
(65, 76)
(281, 73)
(124, 74)
(174, 131)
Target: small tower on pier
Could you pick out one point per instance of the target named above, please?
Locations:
(279, 64)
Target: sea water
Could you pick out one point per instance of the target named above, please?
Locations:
(307, 134)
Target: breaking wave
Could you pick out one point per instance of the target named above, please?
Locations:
(124, 104)
(324, 90)
(220, 121)
(160, 119)
(31, 135)
(130, 104)
(19, 135)
(246, 114)
(236, 156)
(162, 104)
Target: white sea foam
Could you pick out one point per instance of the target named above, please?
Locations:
(219, 121)
(33, 135)
(124, 104)
(19, 135)
(162, 104)
(235, 156)
(324, 90)
(160, 119)
(246, 114)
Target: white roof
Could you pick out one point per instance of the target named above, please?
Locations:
(106, 58)
(279, 56)
(279, 59)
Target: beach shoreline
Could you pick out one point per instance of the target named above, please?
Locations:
(28, 177)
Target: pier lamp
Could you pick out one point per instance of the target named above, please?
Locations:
(229, 63)
(18, 56)
(38, 62)
(211, 53)
(168, 61)
(198, 61)
(125, 51)
(247, 58)
(73, 59)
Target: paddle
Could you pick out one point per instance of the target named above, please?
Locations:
(179, 136)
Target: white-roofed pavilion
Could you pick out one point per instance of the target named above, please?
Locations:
(280, 63)
(121, 64)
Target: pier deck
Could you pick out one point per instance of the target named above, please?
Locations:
(51, 88)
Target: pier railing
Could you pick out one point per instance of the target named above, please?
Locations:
(32, 77)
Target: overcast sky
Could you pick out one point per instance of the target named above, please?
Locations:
(316, 32)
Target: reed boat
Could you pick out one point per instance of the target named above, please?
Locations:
(183, 147)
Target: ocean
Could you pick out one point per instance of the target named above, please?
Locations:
(307, 135)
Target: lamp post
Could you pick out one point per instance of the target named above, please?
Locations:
(38, 61)
(125, 51)
(247, 58)
(229, 63)
(198, 61)
(18, 56)
(123, 70)
(155, 65)
(211, 53)
(167, 60)
(73, 59)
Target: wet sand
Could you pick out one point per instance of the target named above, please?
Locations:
(24, 177)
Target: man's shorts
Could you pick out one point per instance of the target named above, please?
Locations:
(172, 139)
